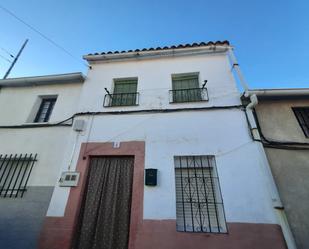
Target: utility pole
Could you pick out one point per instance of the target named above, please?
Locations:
(15, 59)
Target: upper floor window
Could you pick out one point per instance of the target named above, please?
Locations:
(199, 205)
(45, 109)
(302, 115)
(124, 94)
(185, 88)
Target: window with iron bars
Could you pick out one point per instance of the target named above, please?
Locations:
(302, 115)
(45, 110)
(15, 171)
(199, 205)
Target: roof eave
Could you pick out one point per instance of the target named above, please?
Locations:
(287, 93)
(69, 78)
(156, 53)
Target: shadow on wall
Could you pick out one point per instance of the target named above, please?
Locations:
(22, 218)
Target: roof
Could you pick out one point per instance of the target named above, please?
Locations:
(68, 78)
(154, 51)
(283, 93)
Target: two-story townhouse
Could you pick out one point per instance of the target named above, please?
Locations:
(33, 143)
(163, 157)
(282, 116)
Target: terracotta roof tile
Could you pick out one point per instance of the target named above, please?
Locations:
(167, 47)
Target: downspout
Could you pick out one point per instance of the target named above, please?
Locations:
(271, 185)
(249, 111)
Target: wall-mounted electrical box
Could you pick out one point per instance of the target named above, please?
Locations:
(79, 125)
(69, 179)
(151, 177)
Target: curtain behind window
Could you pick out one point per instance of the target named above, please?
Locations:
(124, 92)
(186, 88)
(105, 212)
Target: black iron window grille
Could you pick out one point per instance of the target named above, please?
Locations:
(188, 95)
(302, 115)
(45, 110)
(15, 171)
(199, 205)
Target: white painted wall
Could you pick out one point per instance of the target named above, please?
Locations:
(195, 133)
(155, 81)
(223, 133)
(50, 143)
(16, 103)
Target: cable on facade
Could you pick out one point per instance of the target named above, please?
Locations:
(286, 145)
(44, 36)
(270, 141)
(161, 110)
(63, 122)
(40, 125)
(283, 145)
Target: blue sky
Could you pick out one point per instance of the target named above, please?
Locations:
(271, 37)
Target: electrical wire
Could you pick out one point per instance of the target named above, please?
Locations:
(283, 145)
(266, 142)
(6, 51)
(287, 147)
(87, 139)
(4, 58)
(64, 122)
(271, 141)
(44, 36)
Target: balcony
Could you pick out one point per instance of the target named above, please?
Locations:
(121, 99)
(188, 95)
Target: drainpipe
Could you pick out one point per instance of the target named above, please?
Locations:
(272, 188)
(236, 67)
(249, 112)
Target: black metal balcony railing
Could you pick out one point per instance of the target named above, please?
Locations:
(188, 95)
(121, 99)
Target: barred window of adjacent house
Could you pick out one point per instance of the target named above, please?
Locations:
(199, 206)
(15, 171)
(45, 110)
(302, 115)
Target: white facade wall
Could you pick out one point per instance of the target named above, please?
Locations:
(155, 80)
(223, 133)
(17, 104)
(192, 133)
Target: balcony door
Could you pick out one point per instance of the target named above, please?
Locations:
(105, 212)
(125, 91)
(186, 88)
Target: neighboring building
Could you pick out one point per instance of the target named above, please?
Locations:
(176, 112)
(32, 151)
(283, 117)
